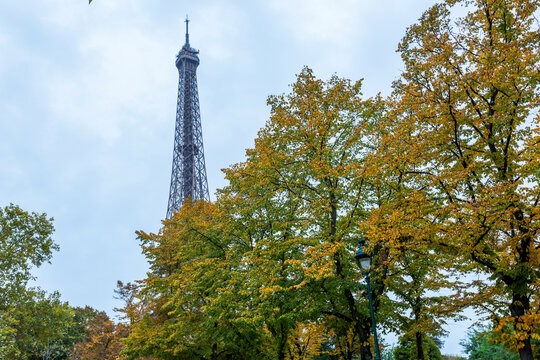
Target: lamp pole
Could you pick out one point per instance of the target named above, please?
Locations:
(364, 262)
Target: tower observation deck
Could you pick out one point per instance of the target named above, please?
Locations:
(188, 178)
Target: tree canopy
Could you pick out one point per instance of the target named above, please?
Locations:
(464, 141)
(442, 179)
(34, 325)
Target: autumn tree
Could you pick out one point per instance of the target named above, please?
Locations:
(307, 341)
(241, 277)
(132, 309)
(465, 142)
(269, 230)
(407, 348)
(422, 281)
(310, 155)
(103, 339)
(194, 293)
(480, 345)
(423, 300)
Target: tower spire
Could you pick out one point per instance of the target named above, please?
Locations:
(187, 30)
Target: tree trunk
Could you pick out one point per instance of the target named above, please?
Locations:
(417, 308)
(359, 326)
(520, 300)
(282, 342)
(362, 327)
(281, 352)
(518, 308)
(214, 352)
(365, 350)
(525, 353)
(419, 346)
(350, 353)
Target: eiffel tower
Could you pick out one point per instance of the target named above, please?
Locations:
(188, 179)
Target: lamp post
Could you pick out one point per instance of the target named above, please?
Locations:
(364, 262)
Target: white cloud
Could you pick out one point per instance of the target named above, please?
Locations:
(118, 83)
(219, 25)
(346, 36)
(100, 69)
(74, 14)
(5, 48)
(319, 20)
(60, 13)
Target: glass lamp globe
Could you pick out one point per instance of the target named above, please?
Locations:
(362, 259)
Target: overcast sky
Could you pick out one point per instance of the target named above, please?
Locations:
(88, 100)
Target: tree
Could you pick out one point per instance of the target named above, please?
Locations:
(133, 308)
(28, 318)
(465, 140)
(245, 276)
(479, 346)
(194, 293)
(270, 234)
(37, 327)
(308, 160)
(33, 324)
(407, 349)
(45, 327)
(420, 309)
(307, 342)
(25, 242)
(103, 340)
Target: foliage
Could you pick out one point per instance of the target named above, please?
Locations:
(407, 349)
(387, 353)
(103, 339)
(41, 326)
(32, 324)
(307, 164)
(306, 342)
(25, 241)
(133, 308)
(479, 347)
(463, 146)
(443, 185)
(194, 310)
(265, 269)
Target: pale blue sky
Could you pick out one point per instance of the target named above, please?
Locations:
(88, 99)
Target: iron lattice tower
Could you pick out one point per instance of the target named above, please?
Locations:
(188, 179)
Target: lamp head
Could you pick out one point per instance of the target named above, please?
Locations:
(362, 259)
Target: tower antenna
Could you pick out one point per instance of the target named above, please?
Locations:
(187, 30)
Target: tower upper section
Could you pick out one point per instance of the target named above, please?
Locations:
(187, 53)
(188, 178)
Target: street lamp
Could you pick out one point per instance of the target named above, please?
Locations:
(364, 262)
